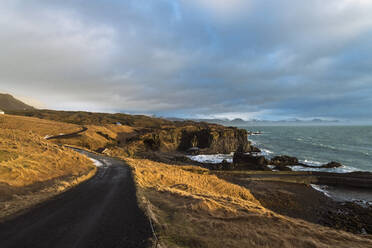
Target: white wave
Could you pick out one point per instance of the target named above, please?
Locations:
(321, 188)
(311, 162)
(342, 169)
(214, 158)
(345, 194)
(362, 203)
(265, 152)
(218, 158)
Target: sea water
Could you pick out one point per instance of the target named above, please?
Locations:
(313, 145)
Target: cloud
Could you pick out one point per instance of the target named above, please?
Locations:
(187, 58)
(220, 10)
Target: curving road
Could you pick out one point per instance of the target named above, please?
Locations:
(68, 135)
(101, 212)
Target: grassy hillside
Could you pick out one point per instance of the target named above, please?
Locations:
(9, 103)
(95, 137)
(32, 168)
(35, 125)
(192, 208)
(26, 158)
(139, 135)
(87, 118)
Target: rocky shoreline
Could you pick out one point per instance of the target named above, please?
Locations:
(267, 179)
(300, 200)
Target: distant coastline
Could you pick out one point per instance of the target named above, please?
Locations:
(237, 122)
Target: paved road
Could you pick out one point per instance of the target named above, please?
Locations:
(101, 212)
(68, 135)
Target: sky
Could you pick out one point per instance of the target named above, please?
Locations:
(263, 59)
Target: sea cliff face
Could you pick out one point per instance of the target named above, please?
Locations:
(203, 139)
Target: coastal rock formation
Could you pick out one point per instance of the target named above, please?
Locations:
(212, 139)
(284, 160)
(331, 165)
(282, 168)
(192, 139)
(246, 161)
(254, 149)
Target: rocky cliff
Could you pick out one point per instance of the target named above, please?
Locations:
(205, 139)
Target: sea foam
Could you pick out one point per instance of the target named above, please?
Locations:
(214, 158)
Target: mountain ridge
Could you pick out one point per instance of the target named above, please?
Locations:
(10, 103)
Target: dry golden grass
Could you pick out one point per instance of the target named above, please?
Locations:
(96, 136)
(90, 139)
(38, 126)
(192, 181)
(194, 209)
(26, 158)
(33, 169)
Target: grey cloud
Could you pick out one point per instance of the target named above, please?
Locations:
(188, 58)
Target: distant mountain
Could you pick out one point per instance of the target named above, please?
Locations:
(257, 122)
(9, 103)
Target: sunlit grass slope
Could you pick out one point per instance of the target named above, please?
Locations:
(192, 208)
(33, 169)
(97, 136)
(35, 125)
(26, 158)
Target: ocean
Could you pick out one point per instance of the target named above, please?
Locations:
(313, 145)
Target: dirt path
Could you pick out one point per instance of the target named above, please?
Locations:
(101, 212)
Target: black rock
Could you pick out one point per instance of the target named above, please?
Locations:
(331, 165)
(249, 162)
(282, 168)
(284, 160)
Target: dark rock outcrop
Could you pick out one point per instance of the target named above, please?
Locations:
(246, 161)
(224, 165)
(282, 168)
(213, 139)
(284, 160)
(331, 165)
(191, 139)
(254, 149)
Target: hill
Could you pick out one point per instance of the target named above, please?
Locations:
(190, 206)
(33, 169)
(140, 135)
(9, 103)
